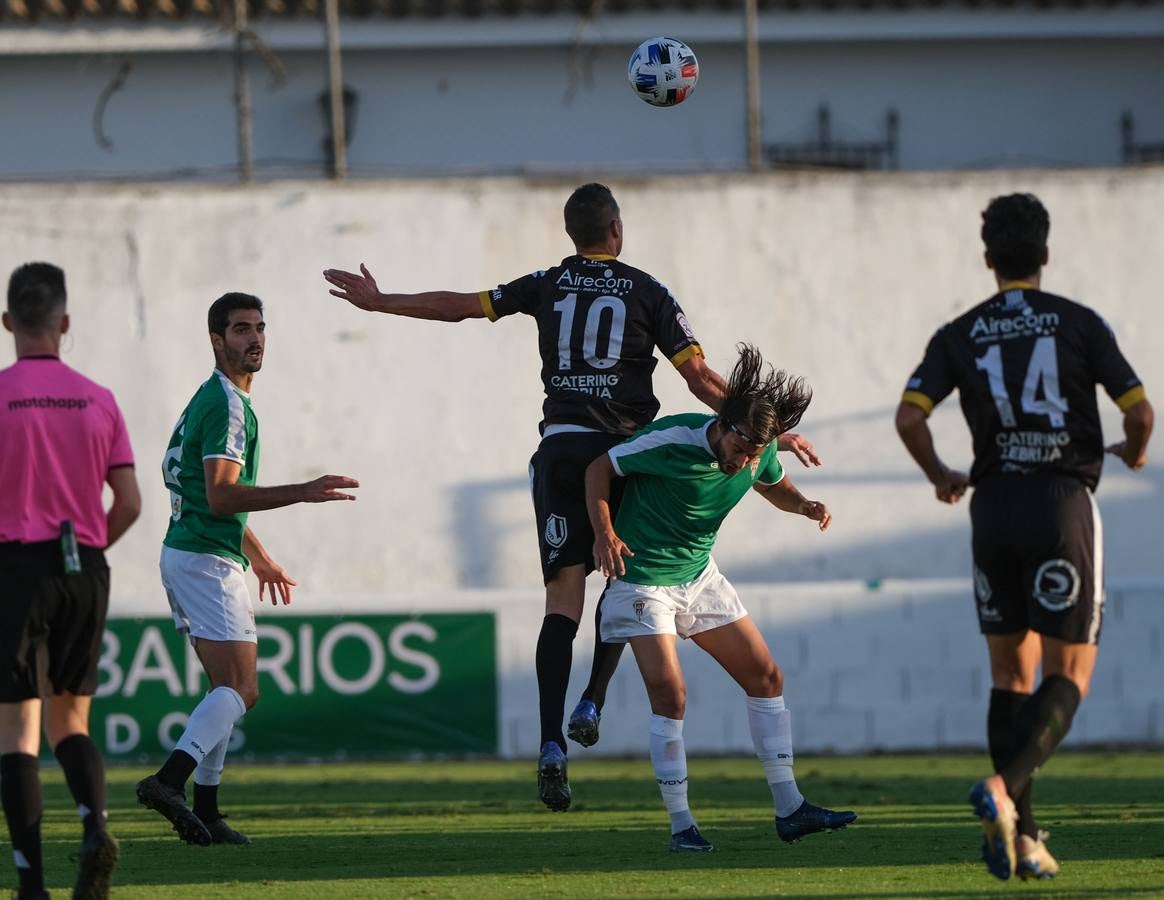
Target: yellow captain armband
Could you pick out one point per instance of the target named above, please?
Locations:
(486, 298)
(688, 352)
(1130, 398)
(917, 398)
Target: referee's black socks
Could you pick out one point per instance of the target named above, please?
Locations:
(20, 794)
(1044, 721)
(554, 654)
(85, 775)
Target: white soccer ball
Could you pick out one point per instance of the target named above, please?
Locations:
(663, 71)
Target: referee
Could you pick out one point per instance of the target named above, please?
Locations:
(62, 439)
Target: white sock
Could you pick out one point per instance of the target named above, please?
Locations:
(209, 771)
(771, 726)
(669, 758)
(211, 721)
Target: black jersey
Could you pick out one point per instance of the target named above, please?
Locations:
(599, 322)
(1026, 364)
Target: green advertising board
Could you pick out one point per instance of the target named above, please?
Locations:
(329, 687)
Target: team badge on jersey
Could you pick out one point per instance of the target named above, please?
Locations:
(1057, 585)
(556, 531)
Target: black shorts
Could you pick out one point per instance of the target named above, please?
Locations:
(1038, 557)
(557, 475)
(51, 624)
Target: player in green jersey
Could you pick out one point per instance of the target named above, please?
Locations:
(684, 475)
(210, 470)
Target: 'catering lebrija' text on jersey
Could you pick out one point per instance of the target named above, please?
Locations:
(599, 322)
(676, 497)
(1026, 364)
(218, 423)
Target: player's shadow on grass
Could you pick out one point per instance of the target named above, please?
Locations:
(401, 827)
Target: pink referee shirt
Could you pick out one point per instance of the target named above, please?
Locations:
(60, 434)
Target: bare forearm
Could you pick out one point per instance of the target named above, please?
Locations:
(710, 389)
(229, 499)
(915, 434)
(784, 495)
(118, 520)
(1138, 422)
(251, 547)
(439, 306)
(598, 479)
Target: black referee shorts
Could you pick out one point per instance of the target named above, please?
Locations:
(1038, 557)
(51, 624)
(557, 474)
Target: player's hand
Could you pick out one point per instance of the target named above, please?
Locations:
(358, 290)
(608, 553)
(818, 512)
(801, 446)
(326, 487)
(273, 578)
(950, 487)
(1121, 450)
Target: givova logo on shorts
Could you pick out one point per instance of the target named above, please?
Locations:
(1057, 585)
(556, 531)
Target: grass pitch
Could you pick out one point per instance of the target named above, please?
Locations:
(476, 829)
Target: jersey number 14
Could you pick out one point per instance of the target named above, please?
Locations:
(1043, 367)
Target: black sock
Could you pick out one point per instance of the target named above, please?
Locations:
(1002, 731)
(1044, 721)
(176, 770)
(85, 775)
(206, 802)
(554, 655)
(606, 657)
(20, 794)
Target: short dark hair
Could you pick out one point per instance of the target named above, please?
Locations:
(36, 291)
(589, 212)
(1014, 230)
(219, 316)
(762, 405)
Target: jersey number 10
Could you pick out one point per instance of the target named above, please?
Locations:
(567, 306)
(1044, 367)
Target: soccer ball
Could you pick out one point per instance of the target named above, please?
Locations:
(663, 71)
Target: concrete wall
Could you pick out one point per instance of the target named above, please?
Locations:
(841, 278)
(562, 101)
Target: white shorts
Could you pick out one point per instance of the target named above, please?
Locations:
(208, 596)
(636, 610)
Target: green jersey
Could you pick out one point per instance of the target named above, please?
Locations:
(676, 497)
(218, 423)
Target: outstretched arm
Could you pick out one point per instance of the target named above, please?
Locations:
(443, 306)
(914, 431)
(608, 546)
(225, 496)
(786, 496)
(1138, 421)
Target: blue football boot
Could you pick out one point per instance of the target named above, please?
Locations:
(809, 819)
(690, 841)
(583, 725)
(553, 785)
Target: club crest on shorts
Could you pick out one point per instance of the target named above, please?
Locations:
(639, 606)
(983, 593)
(556, 531)
(1057, 585)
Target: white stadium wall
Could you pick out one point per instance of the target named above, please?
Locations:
(839, 278)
